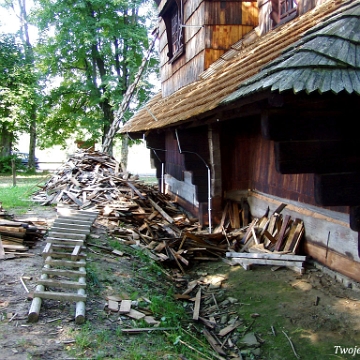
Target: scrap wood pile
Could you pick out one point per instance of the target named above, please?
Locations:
(138, 213)
(271, 240)
(131, 210)
(17, 236)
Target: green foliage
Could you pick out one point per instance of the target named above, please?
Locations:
(6, 164)
(18, 85)
(95, 48)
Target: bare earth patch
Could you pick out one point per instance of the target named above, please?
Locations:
(321, 307)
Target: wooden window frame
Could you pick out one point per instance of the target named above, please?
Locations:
(283, 11)
(172, 14)
(288, 10)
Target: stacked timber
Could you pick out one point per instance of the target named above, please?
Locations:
(19, 236)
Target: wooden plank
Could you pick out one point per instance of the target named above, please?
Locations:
(269, 237)
(70, 228)
(63, 272)
(214, 344)
(234, 218)
(288, 263)
(117, 252)
(147, 329)
(297, 235)
(71, 220)
(161, 211)
(56, 235)
(248, 231)
(196, 311)
(113, 305)
(62, 296)
(293, 234)
(125, 306)
(63, 241)
(68, 263)
(47, 249)
(136, 190)
(76, 252)
(219, 228)
(297, 242)
(229, 328)
(134, 314)
(71, 224)
(270, 255)
(73, 198)
(62, 283)
(281, 234)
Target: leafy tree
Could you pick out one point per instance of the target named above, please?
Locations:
(94, 49)
(17, 92)
(29, 110)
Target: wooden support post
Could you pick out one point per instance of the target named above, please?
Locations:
(80, 305)
(34, 311)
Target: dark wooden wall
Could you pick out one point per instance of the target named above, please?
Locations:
(248, 162)
(194, 156)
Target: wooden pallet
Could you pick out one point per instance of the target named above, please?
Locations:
(64, 263)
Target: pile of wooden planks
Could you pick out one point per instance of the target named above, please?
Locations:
(136, 213)
(271, 240)
(89, 180)
(18, 236)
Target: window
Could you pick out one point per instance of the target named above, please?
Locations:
(287, 10)
(172, 15)
(283, 11)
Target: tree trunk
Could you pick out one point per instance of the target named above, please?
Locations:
(6, 140)
(32, 144)
(29, 54)
(124, 152)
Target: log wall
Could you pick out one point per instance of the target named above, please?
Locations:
(248, 162)
(211, 27)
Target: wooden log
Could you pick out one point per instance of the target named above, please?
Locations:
(34, 311)
(63, 272)
(62, 296)
(67, 263)
(62, 283)
(80, 305)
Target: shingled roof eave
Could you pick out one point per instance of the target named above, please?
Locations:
(147, 118)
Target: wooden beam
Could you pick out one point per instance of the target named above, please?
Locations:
(337, 189)
(316, 156)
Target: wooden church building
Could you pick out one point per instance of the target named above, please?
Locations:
(258, 105)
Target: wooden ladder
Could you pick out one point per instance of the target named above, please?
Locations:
(65, 262)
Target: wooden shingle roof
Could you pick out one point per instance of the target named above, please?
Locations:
(263, 63)
(326, 58)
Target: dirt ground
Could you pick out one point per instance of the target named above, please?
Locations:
(336, 315)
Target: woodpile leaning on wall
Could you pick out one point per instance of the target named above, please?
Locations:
(137, 213)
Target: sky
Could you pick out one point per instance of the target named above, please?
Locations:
(9, 22)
